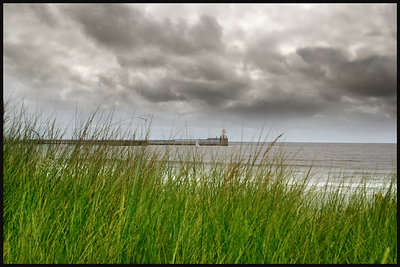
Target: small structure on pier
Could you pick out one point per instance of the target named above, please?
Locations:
(223, 139)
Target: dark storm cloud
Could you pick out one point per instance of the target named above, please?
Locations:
(125, 28)
(322, 55)
(114, 26)
(215, 94)
(373, 76)
(203, 66)
(277, 108)
(181, 61)
(160, 90)
(331, 72)
(170, 88)
(126, 32)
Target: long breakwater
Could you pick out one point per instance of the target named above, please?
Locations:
(188, 142)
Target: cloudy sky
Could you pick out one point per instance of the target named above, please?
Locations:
(317, 73)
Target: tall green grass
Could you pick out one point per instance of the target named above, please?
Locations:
(100, 204)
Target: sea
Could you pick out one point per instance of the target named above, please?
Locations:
(345, 165)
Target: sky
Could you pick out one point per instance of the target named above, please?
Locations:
(314, 72)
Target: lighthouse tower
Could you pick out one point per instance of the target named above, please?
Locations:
(223, 139)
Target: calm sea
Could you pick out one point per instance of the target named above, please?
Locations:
(332, 163)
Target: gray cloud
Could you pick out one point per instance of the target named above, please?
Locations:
(126, 28)
(272, 60)
(322, 55)
(111, 25)
(372, 76)
(289, 107)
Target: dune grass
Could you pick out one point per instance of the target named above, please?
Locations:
(100, 204)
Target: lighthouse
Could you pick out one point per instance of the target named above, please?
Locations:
(223, 139)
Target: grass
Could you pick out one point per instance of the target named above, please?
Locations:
(99, 204)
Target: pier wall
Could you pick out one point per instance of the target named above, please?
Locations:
(187, 142)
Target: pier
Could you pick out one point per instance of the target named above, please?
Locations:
(221, 141)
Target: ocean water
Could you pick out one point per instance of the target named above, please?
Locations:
(350, 164)
(335, 164)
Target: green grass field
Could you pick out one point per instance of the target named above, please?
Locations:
(81, 204)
